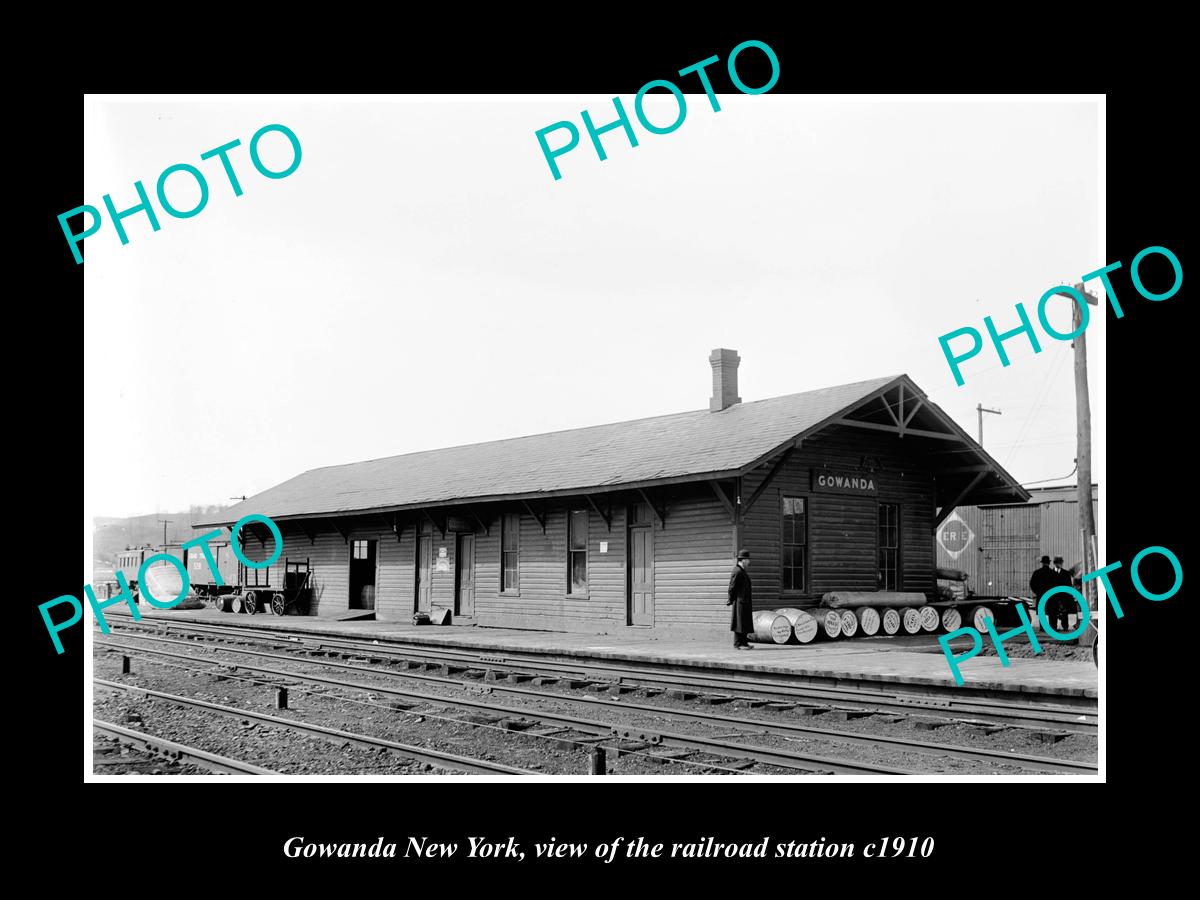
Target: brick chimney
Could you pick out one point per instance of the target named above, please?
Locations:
(725, 386)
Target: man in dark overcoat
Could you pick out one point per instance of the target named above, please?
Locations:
(1041, 581)
(741, 599)
(1062, 602)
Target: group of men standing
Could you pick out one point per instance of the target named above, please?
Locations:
(1052, 575)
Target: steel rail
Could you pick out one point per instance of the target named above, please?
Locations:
(749, 685)
(779, 729)
(222, 764)
(422, 754)
(785, 759)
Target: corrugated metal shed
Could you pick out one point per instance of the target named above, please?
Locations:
(643, 452)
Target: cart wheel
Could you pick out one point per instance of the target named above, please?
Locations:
(250, 603)
(278, 604)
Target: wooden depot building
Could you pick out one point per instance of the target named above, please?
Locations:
(636, 524)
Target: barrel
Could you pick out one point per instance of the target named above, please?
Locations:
(911, 619)
(849, 623)
(951, 618)
(930, 620)
(804, 625)
(978, 616)
(891, 621)
(832, 623)
(771, 628)
(868, 620)
(235, 603)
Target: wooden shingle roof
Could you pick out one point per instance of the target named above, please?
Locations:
(639, 453)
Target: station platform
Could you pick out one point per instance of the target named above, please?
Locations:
(914, 660)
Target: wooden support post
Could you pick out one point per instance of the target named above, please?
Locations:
(596, 761)
(660, 514)
(541, 520)
(766, 482)
(737, 517)
(945, 511)
(337, 526)
(606, 516)
(478, 520)
(124, 665)
(725, 501)
(1083, 449)
(281, 698)
(312, 538)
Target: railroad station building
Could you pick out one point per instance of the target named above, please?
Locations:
(636, 524)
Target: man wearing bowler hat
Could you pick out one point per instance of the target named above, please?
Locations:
(1041, 581)
(1061, 604)
(740, 598)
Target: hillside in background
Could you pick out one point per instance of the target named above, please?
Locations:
(111, 535)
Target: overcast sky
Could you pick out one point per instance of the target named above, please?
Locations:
(422, 281)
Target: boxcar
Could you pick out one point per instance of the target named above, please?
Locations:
(204, 584)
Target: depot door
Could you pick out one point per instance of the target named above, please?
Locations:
(641, 567)
(465, 575)
(362, 574)
(424, 572)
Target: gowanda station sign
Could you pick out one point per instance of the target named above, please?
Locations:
(834, 481)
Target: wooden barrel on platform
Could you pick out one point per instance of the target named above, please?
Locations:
(951, 619)
(833, 623)
(771, 628)
(804, 624)
(929, 618)
(978, 616)
(891, 621)
(868, 620)
(236, 603)
(911, 620)
(849, 623)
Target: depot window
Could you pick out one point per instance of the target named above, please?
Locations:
(794, 543)
(577, 541)
(889, 546)
(510, 546)
(360, 550)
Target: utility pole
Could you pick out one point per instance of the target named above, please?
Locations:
(165, 523)
(981, 411)
(1083, 452)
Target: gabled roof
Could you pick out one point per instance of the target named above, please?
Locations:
(667, 449)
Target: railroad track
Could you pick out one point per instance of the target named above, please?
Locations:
(771, 756)
(421, 754)
(857, 697)
(222, 765)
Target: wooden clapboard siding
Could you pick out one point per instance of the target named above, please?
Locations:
(396, 583)
(329, 556)
(693, 553)
(693, 558)
(542, 600)
(842, 529)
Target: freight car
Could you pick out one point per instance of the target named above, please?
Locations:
(200, 573)
(129, 563)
